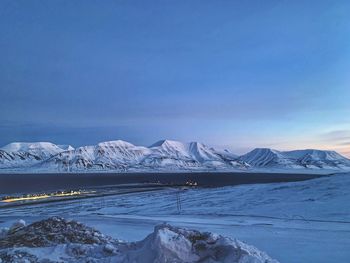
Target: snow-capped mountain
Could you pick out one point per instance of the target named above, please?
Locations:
(265, 157)
(310, 158)
(167, 153)
(164, 155)
(24, 154)
(118, 155)
(122, 156)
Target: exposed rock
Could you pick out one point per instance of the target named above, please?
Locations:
(52, 231)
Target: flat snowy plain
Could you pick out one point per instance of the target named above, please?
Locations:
(294, 222)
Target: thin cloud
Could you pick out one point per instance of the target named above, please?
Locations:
(338, 135)
(344, 143)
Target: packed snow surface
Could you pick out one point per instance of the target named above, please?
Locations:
(164, 155)
(58, 240)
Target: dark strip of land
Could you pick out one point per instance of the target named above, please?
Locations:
(24, 183)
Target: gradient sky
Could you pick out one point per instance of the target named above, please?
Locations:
(239, 74)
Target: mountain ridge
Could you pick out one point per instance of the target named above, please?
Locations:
(164, 155)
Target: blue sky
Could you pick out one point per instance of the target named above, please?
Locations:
(239, 74)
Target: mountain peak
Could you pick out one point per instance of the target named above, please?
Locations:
(26, 146)
(116, 143)
(266, 157)
(265, 150)
(166, 143)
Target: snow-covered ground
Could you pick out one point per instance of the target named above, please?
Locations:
(306, 221)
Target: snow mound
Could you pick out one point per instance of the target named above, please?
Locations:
(172, 244)
(58, 240)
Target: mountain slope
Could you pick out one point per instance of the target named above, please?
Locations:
(265, 157)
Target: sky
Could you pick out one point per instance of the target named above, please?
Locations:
(235, 74)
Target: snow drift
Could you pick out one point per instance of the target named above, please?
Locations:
(58, 240)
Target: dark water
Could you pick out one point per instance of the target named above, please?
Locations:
(22, 183)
